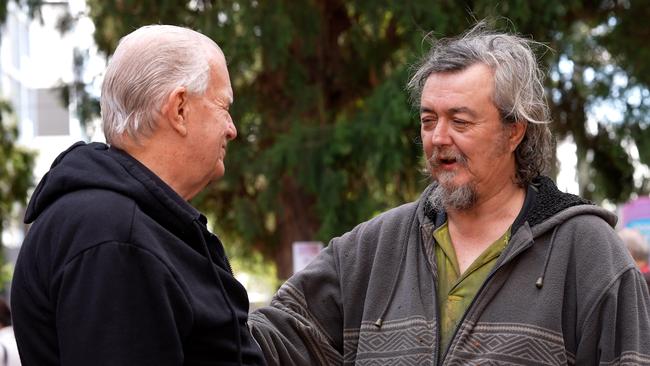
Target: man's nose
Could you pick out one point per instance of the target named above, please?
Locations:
(440, 134)
(232, 130)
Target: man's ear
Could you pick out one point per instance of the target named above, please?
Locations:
(175, 108)
(516, 134)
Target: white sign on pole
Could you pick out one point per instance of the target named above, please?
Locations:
(303, 252)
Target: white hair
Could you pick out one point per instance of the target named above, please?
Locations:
(148, 64)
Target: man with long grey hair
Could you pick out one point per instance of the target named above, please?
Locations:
(117, 267)
(492, 265)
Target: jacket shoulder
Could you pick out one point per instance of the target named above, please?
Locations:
(86, 216)
(594, 241)
(390, 223)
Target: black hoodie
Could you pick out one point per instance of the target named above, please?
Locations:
(115, 271)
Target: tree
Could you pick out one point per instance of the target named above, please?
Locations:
(16, 163)
(16, 166)
(326, 134)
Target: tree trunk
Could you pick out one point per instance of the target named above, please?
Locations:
(296, 223)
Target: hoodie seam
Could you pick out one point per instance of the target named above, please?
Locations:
(143, 250)
(132, 223)
(592, 309)
(568, 213)
(337, 269)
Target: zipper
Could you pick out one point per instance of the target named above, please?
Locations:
(225, 256)
(436, 311)
(507, 260)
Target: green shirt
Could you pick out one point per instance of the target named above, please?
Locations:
(456, 291)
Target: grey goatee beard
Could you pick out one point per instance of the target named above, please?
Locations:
(458, 198)
(447, 196)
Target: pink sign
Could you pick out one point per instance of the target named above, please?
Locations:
(636, 215)
(638, 209)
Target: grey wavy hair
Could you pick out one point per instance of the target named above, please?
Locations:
(147, 66)
(518, 87)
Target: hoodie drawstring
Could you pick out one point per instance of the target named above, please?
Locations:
(215, 274)
(380, 321)
(540, 280)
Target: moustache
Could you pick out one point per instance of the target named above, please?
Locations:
(440, 156)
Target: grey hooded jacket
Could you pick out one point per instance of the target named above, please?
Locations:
(564, 291)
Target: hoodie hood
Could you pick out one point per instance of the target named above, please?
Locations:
(97, 166)
(555, 207)
(545, 209)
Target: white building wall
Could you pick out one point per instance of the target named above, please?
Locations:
(35, 61)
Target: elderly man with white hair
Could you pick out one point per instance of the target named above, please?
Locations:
(118, 268)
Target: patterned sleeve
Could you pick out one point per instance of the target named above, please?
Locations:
(303, 323)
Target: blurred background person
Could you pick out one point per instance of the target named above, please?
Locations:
(8, 349)
(637, 244)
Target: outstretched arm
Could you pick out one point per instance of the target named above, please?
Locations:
(304, 323)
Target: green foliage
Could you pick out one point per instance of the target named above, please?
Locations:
(86, 106)
(611, 160)
(33, 8)
(16, 166)
(6, 274)
(627, 41)
(3, 11)
(326, 135)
